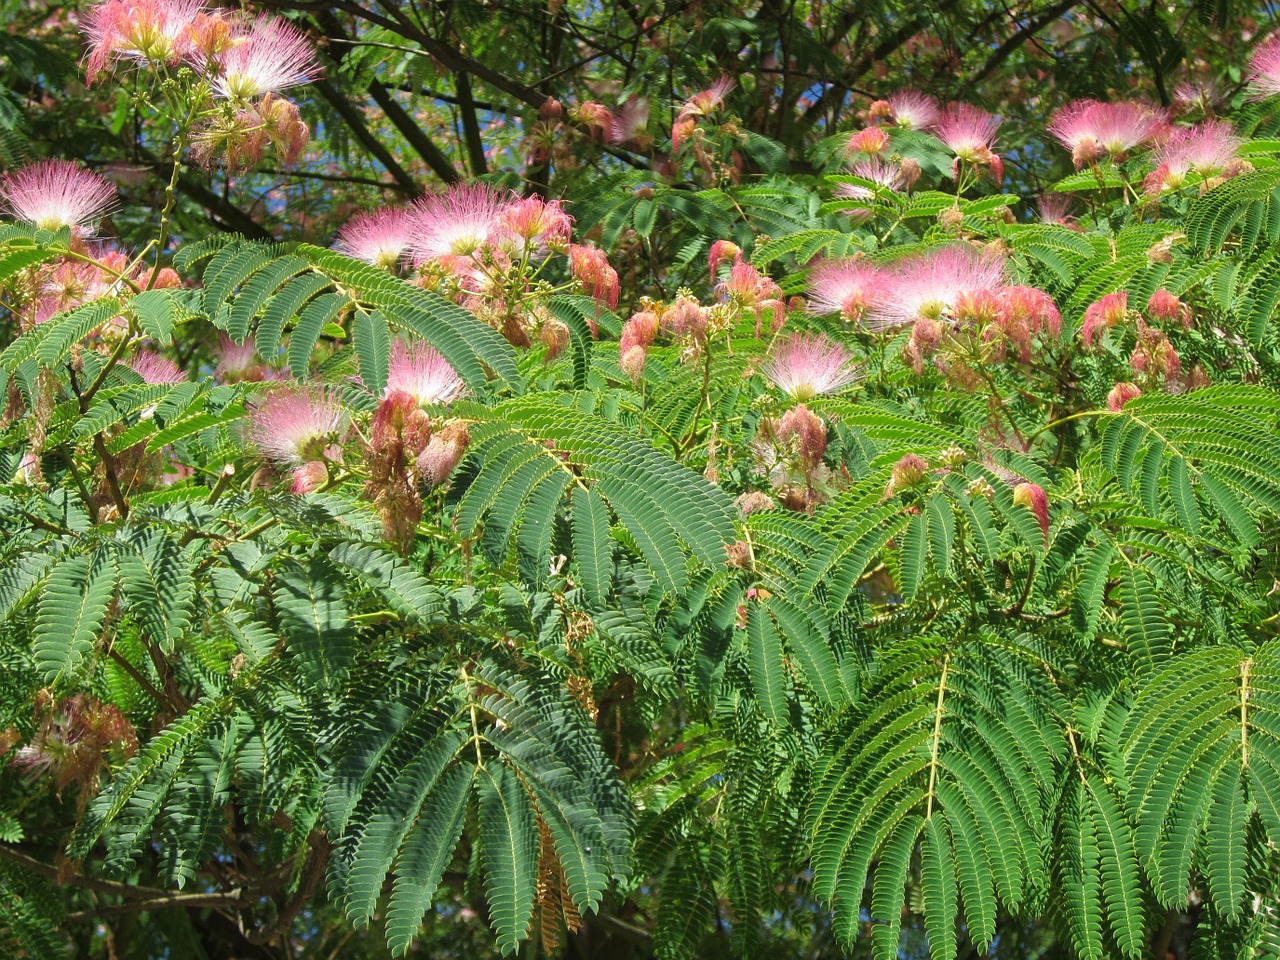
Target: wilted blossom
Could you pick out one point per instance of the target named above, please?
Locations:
(53, 194)
(596, 117)
(155, 369)
(379, 237)
(1154, 356)
(790, 449)
(1021, 314)
(446, 448)
(913, 110)
(698, 106)
(850, 287)
(1104, 314)
(970, 132)
(1264, 69)
(908, 472)
(149, 31)
(637, 336)
(241, 139)
(267, 56)
(686, 317)
(75, 740)
(1164, 305)
(591, 268)
(1090, 129)
(754, 501)
(531, 225)
(293, 426)
(418, 370)
(1205, 149)
(458, 222)
(1033, 497)
(930, 284)
(1121, 394)
(806, 365)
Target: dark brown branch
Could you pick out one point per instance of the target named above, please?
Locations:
(1002, 52)
(413, 134)
(470, 124)
(347, 110)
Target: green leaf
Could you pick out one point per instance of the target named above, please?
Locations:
(73, 606)
(312, 602)
(509, 846)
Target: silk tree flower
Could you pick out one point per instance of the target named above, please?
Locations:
(929, 285)
(1089, 128)
(269, 56)
(1033, 497)
(869, 141)
(420, 371)
(630, 123)
(533, 225)
(880, 172)
(1205, 149)
(148, 31)
(1056, 208)
(155, 369)
(1264, 69)
(293, 426)
(52, 194)
(850, 287)
(1121, 394)
(807, 365)
(969, 132)
(590, 267)
(1103, 314)
(458, 222)
(237, 361)
(749, 289)
(913, 110)
(700, 105)
(379, 237)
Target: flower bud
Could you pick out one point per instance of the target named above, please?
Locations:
(438, 460)
(907, 473)
(1121, 394)
(1033, 497)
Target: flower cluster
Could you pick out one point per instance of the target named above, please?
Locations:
(969, 132)
(1091, 129)
(1154, 359)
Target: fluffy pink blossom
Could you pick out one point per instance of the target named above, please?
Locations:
(294, 426)
(270, 56)
(870, 141)
(534, 225)
(1166, 306)
(1056, 208)
(441, 455)
(421, 372)
(686, 317)
(237, 361)
(722, 251)
(457, 222)
(696, 107)
(1121, 394)
(806, 365)
(750, 289)
(970, 133)
(1205, 149)
(591, 268)
(851, 287)
(630, 122)
(596, 117)
(878, 171)
(153, 368)
(930, 284)
(1089, 128)
(637, 336)
(52, 194)
(150, 31)
(1264, 69)
(379, 237)
(1104, 314)
(1154, 355)
(308, 477)
(913, 109)
(1033, 497)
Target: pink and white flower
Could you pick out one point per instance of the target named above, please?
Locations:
(148, 31)
(1103, 314)
(929, 285)
(420, 371)
(590, 267)
(270, 56)
(970, 133)
(1264, 69)
(806, 365)
(1205, 149)
(851, 287)
(52, 194)
(458, 222)
(155, 369)
(1089, 128)
(913, 110)
(294, 425)
(379, 237)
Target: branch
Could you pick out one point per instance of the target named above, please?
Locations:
(1002, 52)
(470, 124)
(361, 132)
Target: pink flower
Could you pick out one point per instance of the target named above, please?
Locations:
(721, 251)
(637, 336)
(806, 365)
(379, 237)
(422, 373)
(851, 287)
(969, 132)
(237, 361)
(750, 289)
(869, 141)
(930, 284)
(686, 317)
(1164, 305)
(704, 101)
(1089, 128)
(1264, 69)
(594, 116)
(1121, 394)
(913, 109)
(1205, 149)
(149, 31)
(878, 171)
(441, 455)
(53, 194)
(309, 477)
(534, 225)
(910, 471)
(294, 426)
(1033, 497)
(1103, 315)
(457, 222)
(591, 268)
(630, 122)
(153, 368)
(271, 56)
(1056, 208)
